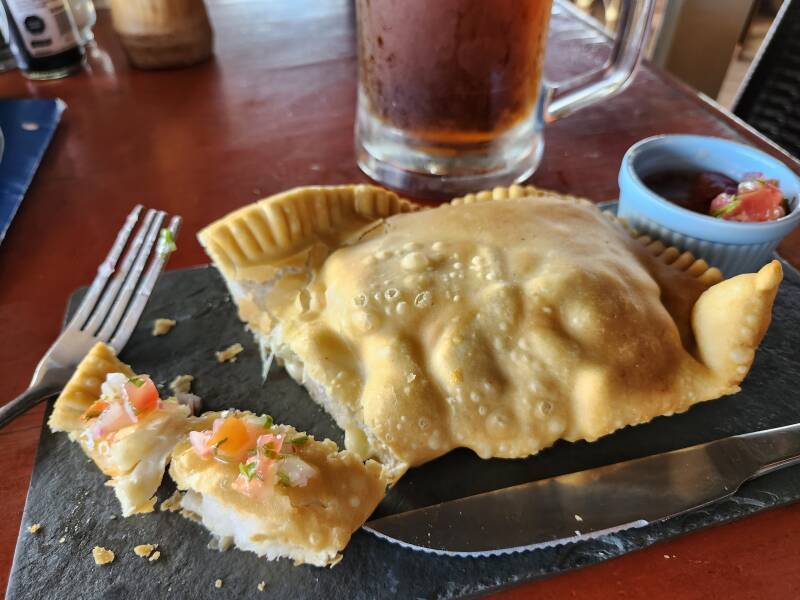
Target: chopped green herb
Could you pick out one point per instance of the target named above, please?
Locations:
(283, 479)
(299, 441)
(218, 444)
(248, 470)
(733, 204)
(166, 243)
(268, 450)
(137, 381)
(268, 422)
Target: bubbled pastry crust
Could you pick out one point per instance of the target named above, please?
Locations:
(502, 322)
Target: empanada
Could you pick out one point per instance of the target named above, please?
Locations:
(121, 424)
(273, 490)
(500, 322)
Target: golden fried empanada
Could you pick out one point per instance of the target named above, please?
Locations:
(500, 322)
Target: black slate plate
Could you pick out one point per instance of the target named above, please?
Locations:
(67, 496)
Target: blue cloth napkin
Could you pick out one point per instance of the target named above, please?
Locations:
(28, 127)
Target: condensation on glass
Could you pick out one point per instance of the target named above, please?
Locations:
(450, 93)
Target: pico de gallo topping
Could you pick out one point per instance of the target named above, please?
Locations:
(123, 401)
(265, 457)
(756, 199)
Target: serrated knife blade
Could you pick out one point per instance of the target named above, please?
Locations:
(594, 502)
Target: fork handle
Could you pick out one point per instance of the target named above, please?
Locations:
(49, 386)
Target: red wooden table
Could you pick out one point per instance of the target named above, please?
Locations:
(274, 110)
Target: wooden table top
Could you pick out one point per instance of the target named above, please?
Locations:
(273, 110)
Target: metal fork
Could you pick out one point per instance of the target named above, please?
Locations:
(109, 311)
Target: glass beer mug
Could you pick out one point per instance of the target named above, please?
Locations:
(450, 92)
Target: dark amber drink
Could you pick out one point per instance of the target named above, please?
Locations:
(452, 71)
(451, 97)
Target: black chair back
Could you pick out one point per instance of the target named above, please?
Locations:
(770, 98)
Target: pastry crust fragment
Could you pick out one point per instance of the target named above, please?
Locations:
(134, 457)
(502, 321)
(310, 524)
(83, 388)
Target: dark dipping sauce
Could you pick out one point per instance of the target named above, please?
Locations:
(693, 190)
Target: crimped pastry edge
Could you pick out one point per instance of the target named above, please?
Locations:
(279, 226)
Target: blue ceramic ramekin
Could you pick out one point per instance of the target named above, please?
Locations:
(731, 246)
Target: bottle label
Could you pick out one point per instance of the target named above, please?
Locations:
(45, 26)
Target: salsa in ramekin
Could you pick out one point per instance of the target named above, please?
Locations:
(755, 198)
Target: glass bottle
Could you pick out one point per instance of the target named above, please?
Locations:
(43, 38)
(7, 62)
(85, 15)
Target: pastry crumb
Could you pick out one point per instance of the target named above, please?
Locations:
(155, 556)
(191, 515)
(218, 583)
(35, 528)
(173, 503)
(61, 540)
(144, 550)
(229, 354)
(221, 544)
(182, 384)
(225, 543)
(102, 556)
(162, 326)
(261, 586)
(148, 506)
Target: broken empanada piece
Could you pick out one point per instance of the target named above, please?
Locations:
(500, 322)
(128, 433)
(273, 490)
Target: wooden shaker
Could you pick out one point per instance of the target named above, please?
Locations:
(159, 34)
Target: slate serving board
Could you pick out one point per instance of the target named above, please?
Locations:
(68, 498)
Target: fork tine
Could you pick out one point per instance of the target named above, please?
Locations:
(136, 307)
(106, 300)
(125, 293)
(105, 270)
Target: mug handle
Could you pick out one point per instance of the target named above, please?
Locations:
(615, 75)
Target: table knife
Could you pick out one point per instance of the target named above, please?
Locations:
(595, 502)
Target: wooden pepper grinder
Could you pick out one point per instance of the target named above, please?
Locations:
(159, 34)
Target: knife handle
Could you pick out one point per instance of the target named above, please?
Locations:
(774, 449)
